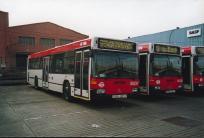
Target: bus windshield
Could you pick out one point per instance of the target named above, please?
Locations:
(166, 65)
(199, 65)
(108, 64)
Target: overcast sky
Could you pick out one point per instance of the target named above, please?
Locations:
(107, 18)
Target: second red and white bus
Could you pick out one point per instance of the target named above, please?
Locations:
(87, 68)
(193, 68)
(159, 68)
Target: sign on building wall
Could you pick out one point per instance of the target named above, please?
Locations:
(194, 32)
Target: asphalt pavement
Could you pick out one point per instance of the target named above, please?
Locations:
(25, 111)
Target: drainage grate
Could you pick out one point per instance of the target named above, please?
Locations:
(182, 121)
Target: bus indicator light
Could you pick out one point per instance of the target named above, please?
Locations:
(93, 82)
(133, 83)
(180, 80)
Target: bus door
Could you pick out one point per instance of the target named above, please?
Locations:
(45, 72)
(81, 78)
(187, 73)
(144, 73)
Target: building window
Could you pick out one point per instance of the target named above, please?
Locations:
(47, 42)
(65, 41)
(21, 61)
(25, 40)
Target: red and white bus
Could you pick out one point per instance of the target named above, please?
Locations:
(193, 68)
(86, 68)
(159, 68)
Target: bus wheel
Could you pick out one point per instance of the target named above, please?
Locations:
(67, 92)
(36, 82)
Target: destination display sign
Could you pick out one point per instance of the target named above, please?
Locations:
(116, 45)
(159, 48)
(199, 50)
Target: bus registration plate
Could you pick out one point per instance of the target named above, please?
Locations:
(119, 96)
(170, 91)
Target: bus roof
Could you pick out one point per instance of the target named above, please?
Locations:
(62, 48)
(95, 43)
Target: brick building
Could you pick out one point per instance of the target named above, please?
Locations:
(3, 36)
(16, 42)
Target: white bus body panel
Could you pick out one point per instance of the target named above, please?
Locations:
(35, 72)
(56, 81)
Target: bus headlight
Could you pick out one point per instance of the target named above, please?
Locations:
(200, 85)
(100, 91)
(135, 90)
(157, 88)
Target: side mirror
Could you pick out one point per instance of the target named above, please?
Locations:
(90, 53)
(195, 58)
(151, 58)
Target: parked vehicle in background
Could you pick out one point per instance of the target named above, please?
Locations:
(159, 68)
(193, 68)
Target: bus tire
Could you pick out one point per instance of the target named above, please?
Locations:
(36, 82)
(67, 92)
